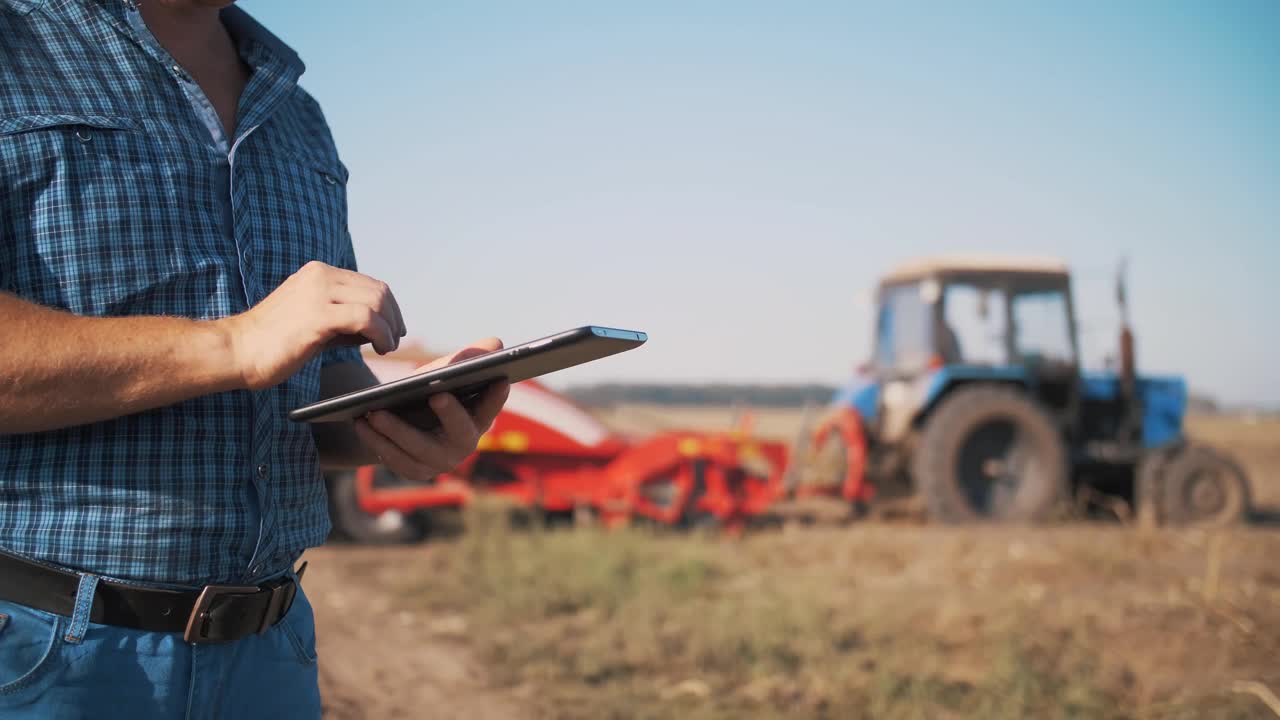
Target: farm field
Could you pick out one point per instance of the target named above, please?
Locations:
(883, 620)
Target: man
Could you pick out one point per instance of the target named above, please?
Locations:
(175, 276)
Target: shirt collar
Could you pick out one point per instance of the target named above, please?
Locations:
(248, 33)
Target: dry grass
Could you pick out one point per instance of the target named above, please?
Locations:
(870, 621)
(874, 621)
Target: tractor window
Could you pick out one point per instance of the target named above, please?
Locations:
(903, 331)
(1044, 327)
(974, 326)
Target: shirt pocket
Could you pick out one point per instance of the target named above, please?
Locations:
(305, 215)
(16, 124)
(33, 139)
(80, 191)
(325, 180)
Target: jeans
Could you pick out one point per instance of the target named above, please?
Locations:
(50, 673)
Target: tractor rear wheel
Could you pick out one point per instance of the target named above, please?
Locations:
(989, 453)
(1202, 488)
(351, 522)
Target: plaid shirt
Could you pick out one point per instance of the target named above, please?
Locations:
(116, 199)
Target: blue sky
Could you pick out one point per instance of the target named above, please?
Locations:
(731, 176)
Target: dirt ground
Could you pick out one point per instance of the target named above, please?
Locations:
(1173, 615)
(379, 661)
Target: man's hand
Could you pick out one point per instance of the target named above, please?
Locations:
(317, 307)
(417, 455)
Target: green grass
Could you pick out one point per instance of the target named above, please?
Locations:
(651, 624)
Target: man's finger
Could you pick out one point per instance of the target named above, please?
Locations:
(423, 447)
(395, 306)
(342, 276)
(391, 455)
(456, 425)
(475, 349)
(362, 320)
(350, 277)
(486, 411)
(479, 347)
(374, 299)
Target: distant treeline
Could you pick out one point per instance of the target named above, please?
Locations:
(773, 396)
(714, 394)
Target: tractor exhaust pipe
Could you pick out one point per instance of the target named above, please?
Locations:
(1131, 427)
(1128, 370)
(1128, 366)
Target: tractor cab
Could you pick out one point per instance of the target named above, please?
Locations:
(978, 313)
(944, 321)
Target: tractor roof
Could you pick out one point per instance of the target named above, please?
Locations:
(967, 264)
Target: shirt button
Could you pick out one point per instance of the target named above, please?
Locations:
(262, 472)
(182, 74)
(130, 5)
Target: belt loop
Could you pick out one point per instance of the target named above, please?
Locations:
(84, 605)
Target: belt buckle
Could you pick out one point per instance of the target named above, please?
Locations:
(282, 594)
(194, 632)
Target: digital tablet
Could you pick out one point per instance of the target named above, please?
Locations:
(467, 379)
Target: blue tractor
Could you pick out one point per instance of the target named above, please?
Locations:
(974, 402)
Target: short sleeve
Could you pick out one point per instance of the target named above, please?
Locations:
(345, 259)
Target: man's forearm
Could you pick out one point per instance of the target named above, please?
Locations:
(59, 369)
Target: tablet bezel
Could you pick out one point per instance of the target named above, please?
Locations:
(468, 377)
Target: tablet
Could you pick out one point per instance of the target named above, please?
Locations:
(466, 380)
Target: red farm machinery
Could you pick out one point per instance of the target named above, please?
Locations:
(549, 455)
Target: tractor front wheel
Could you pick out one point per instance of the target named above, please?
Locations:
(989, 453)
(1199, 487)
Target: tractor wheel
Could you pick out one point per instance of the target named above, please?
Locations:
(830, 476)
(988, 453)
(350, 522)
(830, 463)
(1202, 488)
(1147, 485)
(838, 459)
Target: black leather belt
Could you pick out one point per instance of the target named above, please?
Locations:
(214, 614)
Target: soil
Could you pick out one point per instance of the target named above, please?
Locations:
(380, 662)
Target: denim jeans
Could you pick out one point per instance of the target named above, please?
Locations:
(108, 672)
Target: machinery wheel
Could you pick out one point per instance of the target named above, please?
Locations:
(1202, 488)
(830, 462)
(1147, 487)
(838, 458)
(350, 522)
(988, 453)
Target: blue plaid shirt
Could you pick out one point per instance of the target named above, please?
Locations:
(117, 198)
